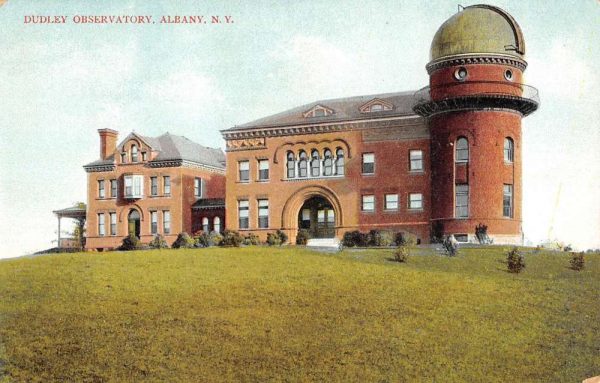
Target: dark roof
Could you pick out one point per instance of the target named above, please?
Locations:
(347, 108)
(173, 147)
(209, 203)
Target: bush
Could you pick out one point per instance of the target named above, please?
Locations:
(355, 238)
(158, 242)
(405, 239)
(131, 243)
(231, 238)
(437, 232)
(401, 254)
(481, 234)
(451, 245)
(183, 241)
(302, 237)
(201, 239)
(273, 239)
(283, 236)
(515, 261)
(577, 261)
(380, 238)
(252, 239)
(215, 239)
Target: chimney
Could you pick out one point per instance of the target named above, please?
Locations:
(108, 142)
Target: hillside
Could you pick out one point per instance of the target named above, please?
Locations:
(262, 314)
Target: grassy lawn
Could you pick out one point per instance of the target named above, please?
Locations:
(260, 314)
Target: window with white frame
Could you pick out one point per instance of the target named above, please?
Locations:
(339, 162)
(244, 171)
(166, 222)
(462, 150)
(315, 163)
(291, 165)
(113, 223)
(391, 202)
(461, 201)
(134, 186)
(416, 160)
(153, 222)
(507, 205)
(167, 185)
(198, 186)
(101, 192)
(368, 203)
(243, 208)
(101, 231)
(327, 163)
(302, 164)
(368, 163)
(509, 150)
(114, 188)
(263, 213)
(415, 201)
(217, 224)
(134, 153)
(263, 170)
(154, 186)
(205, 227)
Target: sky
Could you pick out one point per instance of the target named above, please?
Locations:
(59, 83)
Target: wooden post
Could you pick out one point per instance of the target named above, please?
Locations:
(58, 244)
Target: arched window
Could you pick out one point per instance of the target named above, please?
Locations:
(217, 224)
(134, 153)
(339, 162)
(327, 163)
(462, 150)
(302, 164)
(509, 150)
(205, 225)
(291, 165)
(315, 163)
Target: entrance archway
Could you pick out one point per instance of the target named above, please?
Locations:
(318, 217)
(134, 222)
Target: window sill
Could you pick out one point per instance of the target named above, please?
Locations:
(367, 211)
(417, 210)
(263, 181)
(313, 178)
(367, 174)
(416, 172)
(391, 211)
(243, 182)
(507, 163)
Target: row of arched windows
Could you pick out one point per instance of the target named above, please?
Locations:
(317, 165)
(462, 150)
(216, 225)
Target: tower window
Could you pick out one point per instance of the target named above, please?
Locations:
(507, 206)
(460, 74)
(509, 150)
(508, 75)
(462, 201)
(462, 150)
(416, 160)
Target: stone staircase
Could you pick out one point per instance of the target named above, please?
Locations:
(324, 243)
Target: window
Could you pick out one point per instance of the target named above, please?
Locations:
(327, 163)
(507, 208)
(198, 187)
(205, 224)
(415, 201)
(462, 150)
(167, 185)
(368, 163)
(134, 186)
(153, 222)
(461, 238)
(391, 202)
(376, 108)
(244, 171)
(509, 150)
(460, 74)
(339, 162)
(101, 193)
(113, 223)
(243, 214)
(263, 170)
(113, 188)
(291, 165)
(123, 158)
(166, 221)
(368, 203)
(315, 163)
(461, 201)
(144, 156)
(303, 164)
(101, 225)
(508, 74)
(217, 224)
(416, 160)
(153, 186)
(134, 153)
(263, 213)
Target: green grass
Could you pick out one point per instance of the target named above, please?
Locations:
(260, 314)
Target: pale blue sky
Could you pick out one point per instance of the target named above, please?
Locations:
(60, 83)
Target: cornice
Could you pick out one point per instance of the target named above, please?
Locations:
(99, 168)
(476, 59)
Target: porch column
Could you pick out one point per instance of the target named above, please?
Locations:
(58, 243)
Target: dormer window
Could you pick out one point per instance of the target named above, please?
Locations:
(134, 153)
(318, 111)
(376, 105)
(123, 158)
(144, 156)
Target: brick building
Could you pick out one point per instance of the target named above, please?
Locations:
(152, 185)
(434, 162)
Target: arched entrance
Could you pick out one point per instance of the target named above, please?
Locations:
(318, 217)
(134, 222)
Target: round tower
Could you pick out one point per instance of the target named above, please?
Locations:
(474, 104)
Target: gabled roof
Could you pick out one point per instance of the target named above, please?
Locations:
(347, 108)
(209, 203)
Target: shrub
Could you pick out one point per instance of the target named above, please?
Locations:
(158, 242)
(437, 232)
(215, 239)
(131, 243)
(283, 236)
(302, 237)
(231, 238)
(380, 238)
(401, 254)
(451, 245)
(183, 241)
(405, 239)
(273, 239)
(515, 261)
(355, 238)
(251, 239)
(481, 233)
(201, 239)
(577, 261)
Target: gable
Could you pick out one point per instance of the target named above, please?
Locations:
(376, 105)
(318, 111)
